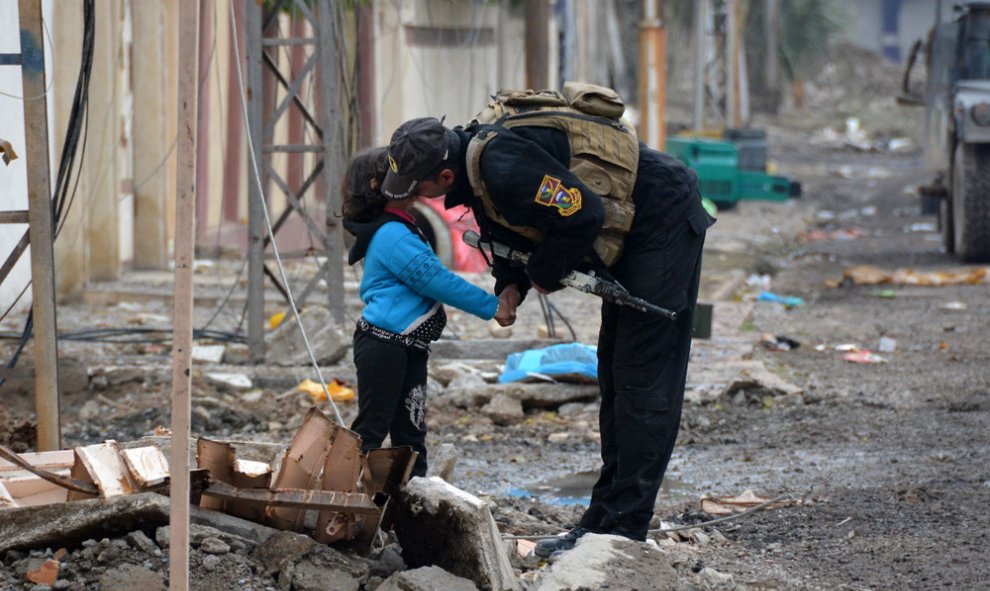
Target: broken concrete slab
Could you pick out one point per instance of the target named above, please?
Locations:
(285, 345)
(235, 382)
(427, 578)
(229, 524)
(325, 568)
(282, 549)
(598, 559)
(443, 460)
(469, 391)
(67, 523)
(440, 524)
(752, 384)
(504, 410)
(485, 348)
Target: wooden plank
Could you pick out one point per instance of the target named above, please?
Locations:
(107, 469)
(42, 236)
(29, 490)
(46, 460)
(147, 465)
(301, 466)
(340, 472)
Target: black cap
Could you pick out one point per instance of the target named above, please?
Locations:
(417, 148)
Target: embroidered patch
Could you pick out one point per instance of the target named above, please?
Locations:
(392, 164)
(553, 193)
(416, 405)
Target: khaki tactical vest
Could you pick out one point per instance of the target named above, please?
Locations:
(604, 151)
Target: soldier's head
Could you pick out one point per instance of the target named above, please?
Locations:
(421, 159)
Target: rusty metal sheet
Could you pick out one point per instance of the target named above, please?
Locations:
(217, 458)
(323, 500)
(301, 466)
(340, 473)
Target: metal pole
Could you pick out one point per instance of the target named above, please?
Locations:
(40, 225)
(700, 60)
(771, 26)
(537, 44)
(333, 153)
(185, 241)
(652, 75)
(256, 219)
(731, 65)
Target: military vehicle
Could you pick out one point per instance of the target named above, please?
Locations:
(956, 98)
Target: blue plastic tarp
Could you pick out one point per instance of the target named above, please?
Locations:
(556, 360)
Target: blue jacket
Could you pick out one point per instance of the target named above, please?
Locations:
(404, 279)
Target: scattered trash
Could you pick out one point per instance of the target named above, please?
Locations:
(573, 362)
(954, 306)
(921, 227)
(864, 356)
(943, 346)
(7, 151)
(900, 144)
(847, 347)
(868, 211)
(884, 293)
(779, 342)
(339, 391)
(887, 345)
(869, 275)
(788, 301)
(838, 235)
(729, 505)
(761, 282)
(275, 320)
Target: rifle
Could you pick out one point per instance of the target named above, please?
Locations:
(586, 282)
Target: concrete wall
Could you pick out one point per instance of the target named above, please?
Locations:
(864, 25)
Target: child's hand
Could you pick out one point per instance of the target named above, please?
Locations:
(508, 300)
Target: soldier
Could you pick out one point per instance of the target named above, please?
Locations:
(579, 192)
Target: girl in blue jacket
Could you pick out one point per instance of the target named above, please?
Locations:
(404, 287)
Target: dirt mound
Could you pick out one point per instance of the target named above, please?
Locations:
(19, 435)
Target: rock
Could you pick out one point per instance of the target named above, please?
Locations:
(325, 568)
(228, 524)
(43, 572)
(504, 410)
(211, 562)
(756, 382)
(443, 460)
(214, 546)
(236, 382)
(446, 373)
(427, 578)
(485, 348)
(282, 548)
(716, 579)
(237, 354)
(208, 353)
(467, 390)
(547, 395)
(285, 345)
(90, 410)
(128, 577)
(558, 437)
(597, 560)
(571, 409)
(138, 540)
(389, 562)
(439, 524)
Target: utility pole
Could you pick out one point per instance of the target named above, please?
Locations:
(182, 315)
(537, 44)
(40, 225)
(652, 75)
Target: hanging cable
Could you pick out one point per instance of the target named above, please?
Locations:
(268, 222)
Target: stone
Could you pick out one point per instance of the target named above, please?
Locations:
(571, 409)
(233, 526)
(214, 546)
(717, 580)
(597, 560)
(753, 383)
(43, 573)
(211, 562)
(443, 460)
(325, 568)
(467, 390)
(282, 548)
(236, 382)
(128, 577)
(389, 562)
(437, 524)
(237, 354)
(485, 348)
(330, 343)
(208, 353)
(427, 578)
(504, 410)
(138, 540)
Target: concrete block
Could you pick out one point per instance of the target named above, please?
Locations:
(427, 578)
(439, 524)
(597, 560)
(504, 410)
(285, 345)
(325, 568)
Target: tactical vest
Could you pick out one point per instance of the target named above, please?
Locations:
(604, 151)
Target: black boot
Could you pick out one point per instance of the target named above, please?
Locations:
(544, 548)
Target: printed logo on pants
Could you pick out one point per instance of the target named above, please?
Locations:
(416, 403)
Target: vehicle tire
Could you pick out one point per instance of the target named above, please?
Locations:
(945, 223)
(971, 202)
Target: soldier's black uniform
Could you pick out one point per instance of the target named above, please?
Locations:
(642, 359)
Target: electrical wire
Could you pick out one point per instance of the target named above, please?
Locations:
(268, 222)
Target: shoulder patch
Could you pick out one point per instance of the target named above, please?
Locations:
(553, 193)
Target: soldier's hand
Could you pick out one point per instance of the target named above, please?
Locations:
(508, 301)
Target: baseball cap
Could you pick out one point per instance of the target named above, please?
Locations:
(417, 148)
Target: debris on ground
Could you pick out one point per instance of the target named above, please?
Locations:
(870, 275)
(778, 342)
(863, 356)
(787, 301)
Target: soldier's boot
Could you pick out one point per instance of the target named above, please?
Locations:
(544, 548)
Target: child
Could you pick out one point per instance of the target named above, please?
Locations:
(403, 289)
